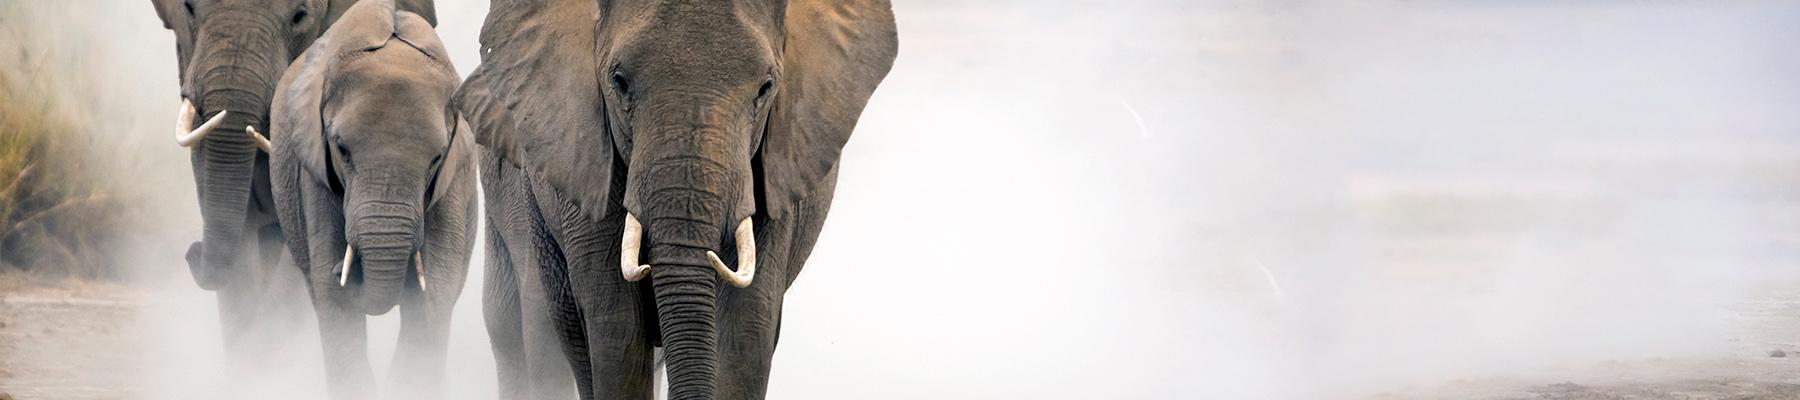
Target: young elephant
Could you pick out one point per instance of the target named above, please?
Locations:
(373, 181)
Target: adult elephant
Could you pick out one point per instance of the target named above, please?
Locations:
(230, 55)
(667, 136)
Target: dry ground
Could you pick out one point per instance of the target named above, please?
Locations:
(75, 342)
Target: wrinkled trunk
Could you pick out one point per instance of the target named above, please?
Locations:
(685, 209)
(234, 70)
(686, 306)
(226, 161)
(385, 246)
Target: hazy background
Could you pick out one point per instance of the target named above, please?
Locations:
(1182, 199)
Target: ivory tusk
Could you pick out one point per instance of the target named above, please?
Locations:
(746, 250)
(185, 119)
(628, 251)
(257, 137)
(419, 267)
(349, 254)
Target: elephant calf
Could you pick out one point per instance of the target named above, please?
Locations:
(373, 179)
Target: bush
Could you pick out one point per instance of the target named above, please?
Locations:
(56, 212)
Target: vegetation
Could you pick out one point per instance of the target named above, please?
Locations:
(57, 213)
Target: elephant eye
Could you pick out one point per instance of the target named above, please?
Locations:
(762, 94)
(299, 16)
(189, 5)
(621, 85)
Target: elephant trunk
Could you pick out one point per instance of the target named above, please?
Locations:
(686, 293)
(226, 166)
(689, 209)
(386, 241)
(232, 73)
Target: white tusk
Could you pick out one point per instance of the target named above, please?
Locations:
(257, 137)
(185, 119)
(349, 254)
(746, 249)
(628, 251)
(419, 266)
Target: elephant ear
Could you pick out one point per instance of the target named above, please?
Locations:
(425, 8)
(452, 166)
(835, 55)
(535, 100)
(296, 126)
(165, 10)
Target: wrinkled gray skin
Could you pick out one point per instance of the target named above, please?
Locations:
(367, 154)
(230, 54)
(691, 116)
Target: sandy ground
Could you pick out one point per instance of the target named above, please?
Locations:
(70, 343)
(76, 343)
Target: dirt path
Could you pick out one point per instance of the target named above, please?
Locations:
(71, 343)
(77, 344)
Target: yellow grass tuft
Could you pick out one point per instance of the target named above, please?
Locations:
(57, 213)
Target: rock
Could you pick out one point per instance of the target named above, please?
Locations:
(1778, 354)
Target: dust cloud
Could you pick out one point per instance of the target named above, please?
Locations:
(1193, 199)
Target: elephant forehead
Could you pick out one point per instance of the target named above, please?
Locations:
(392, 73)
(391, 93)
(697, 42)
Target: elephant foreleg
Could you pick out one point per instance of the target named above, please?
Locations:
(500, 310)
(616, 339)
(418, 368)
(344, 335)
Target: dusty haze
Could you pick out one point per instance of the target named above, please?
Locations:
(1186, 199)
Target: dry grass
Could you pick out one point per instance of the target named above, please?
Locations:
(58, 212)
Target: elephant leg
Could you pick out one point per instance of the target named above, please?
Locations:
(418, 367)
(263, 310)
(500, 310)
(753, 315)
(343, 333)
(746, 355)
(344, 337)
(617, 338)
(547, 321)
(554, 340)
(618, 341)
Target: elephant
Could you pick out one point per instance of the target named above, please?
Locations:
(373, 176)
(229, 54)
(665, 137)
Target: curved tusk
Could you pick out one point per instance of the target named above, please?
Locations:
(185, 119)
(746, 250)
(349, 254)
(419, 266)
(628, 251)
(257, 137)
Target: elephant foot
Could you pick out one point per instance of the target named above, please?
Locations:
(208, 278)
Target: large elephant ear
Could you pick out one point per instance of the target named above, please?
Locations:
(534, 101)
(296, 127)
(454, 165)
(835, 55)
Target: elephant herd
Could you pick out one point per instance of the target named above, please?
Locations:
(692, 143)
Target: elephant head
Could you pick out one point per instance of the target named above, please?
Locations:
(723, 120)
(230, 54)
(365, 114)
